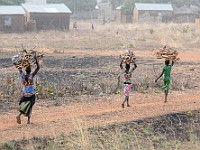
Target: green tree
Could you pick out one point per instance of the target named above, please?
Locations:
(11, 2)
(178, 3)
(77, 5)
(116, 3)
(128, 6)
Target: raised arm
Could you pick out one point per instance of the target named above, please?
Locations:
(121, 66)
(134, 67)
(37, 66)
(172, 62)
(20, 70)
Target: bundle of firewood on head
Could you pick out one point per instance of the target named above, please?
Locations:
(166, 53)
(26, 58)
(128, 57)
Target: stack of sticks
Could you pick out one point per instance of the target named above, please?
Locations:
(26, 58)
(166, 53)
(128, 57)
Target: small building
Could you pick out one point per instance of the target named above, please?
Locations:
(121, 17)
(48, 16)
(119, 14)
(185, 14)
(149, 12)
(12, 19)
(195, 9)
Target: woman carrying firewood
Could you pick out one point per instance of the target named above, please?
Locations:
(127, 72)
(166, 71)
(28, 98)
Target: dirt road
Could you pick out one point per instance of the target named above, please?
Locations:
(53, 121)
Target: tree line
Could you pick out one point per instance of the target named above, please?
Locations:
(11, 2)
(88, 5)
(129, 4)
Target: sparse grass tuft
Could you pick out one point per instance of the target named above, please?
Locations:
(173, 131)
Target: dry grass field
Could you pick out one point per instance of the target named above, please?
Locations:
(78, 86)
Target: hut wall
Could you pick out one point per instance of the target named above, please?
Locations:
(135, 15)
(184, 18)
(46, 21)
(118, 15)
(17, 23)
(154, 16)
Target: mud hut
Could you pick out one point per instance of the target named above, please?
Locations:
(121, 16)
(185, 15)
(12, 19)
(48, 16)
(149, 12)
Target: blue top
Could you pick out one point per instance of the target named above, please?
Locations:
(29, 89)
(28, 86)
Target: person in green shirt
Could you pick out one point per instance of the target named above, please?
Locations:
(166, 71)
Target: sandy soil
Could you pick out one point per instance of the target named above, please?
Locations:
(55, 120)
(52, 121)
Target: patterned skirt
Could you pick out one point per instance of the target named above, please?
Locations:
(26, 105)
(127, 89)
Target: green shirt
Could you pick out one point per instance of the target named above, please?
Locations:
(167, 71)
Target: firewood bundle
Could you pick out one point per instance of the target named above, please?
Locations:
(128, 57)
(26, 58)
(166, 53)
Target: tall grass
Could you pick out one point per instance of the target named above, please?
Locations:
(106, 37)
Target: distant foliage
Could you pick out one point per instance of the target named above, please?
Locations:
(104, 1)
(11, 2)
(87, 5)
(77, 5)
(128, 5)
(178, 3)
(116, 3)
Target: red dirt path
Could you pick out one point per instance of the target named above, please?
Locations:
(55, 120)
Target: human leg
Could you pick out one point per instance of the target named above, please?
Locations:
(166, 94)
(30, 109)
(125, 100)
(29, 120)
(25, 108)
(128, 105)
(18, 118)
(127, 89)
(166, 87)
